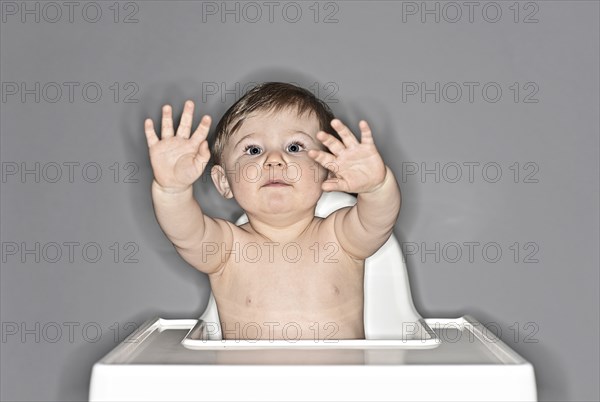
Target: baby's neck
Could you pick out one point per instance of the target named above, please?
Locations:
(281, 230)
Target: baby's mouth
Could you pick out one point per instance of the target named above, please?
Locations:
(275, 183)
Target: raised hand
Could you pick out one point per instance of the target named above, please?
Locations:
(178, 160)
(358, 167)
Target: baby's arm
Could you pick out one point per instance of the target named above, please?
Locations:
(365, 227)
(362, 229)
(197, 237)
(177, 162)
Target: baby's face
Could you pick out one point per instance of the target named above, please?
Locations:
(271, 147)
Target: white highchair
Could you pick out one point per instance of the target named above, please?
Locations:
(404, 357)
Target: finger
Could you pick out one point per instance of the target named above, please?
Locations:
(151, 137)
(202, 130)
(185, 125)
(166, 130)
(344, 132)
(334, 145)
(366, 137)
(325, 159)
(333, 184)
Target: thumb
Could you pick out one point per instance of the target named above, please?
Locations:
(202, 156)
(333, 184)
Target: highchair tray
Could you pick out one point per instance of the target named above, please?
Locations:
(416, 335)
(469, 363)
(167, 341)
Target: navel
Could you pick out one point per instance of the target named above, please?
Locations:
(336, 291)
(248, 300)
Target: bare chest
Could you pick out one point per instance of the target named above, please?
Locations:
(299, 278)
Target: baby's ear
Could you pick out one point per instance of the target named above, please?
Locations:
(219, 178)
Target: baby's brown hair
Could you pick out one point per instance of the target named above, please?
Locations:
(270, 97)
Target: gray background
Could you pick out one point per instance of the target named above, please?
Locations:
(358, 64)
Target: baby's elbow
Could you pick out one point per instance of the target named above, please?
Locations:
(378, 238)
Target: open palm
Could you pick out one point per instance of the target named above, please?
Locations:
(178, 160)
(358, 167)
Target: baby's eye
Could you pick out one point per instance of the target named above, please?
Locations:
(254, 150)
(295, 146)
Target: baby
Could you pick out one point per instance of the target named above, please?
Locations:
(286, 274)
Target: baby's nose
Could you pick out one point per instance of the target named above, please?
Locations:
(273, 163)
(274, 159)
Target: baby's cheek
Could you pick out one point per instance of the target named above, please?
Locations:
(300, 171)
(324, 172)
(317, 172)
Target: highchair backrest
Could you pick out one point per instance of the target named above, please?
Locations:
(389, 312)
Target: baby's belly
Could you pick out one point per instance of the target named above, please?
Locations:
(284, 306)
(292, 324)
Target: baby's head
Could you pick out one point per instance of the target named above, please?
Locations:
(270, 97)
(265, 136)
